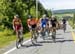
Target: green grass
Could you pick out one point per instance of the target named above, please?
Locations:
(7, 40)
(60, 15)
(71, 23)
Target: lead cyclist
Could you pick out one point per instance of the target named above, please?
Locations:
(43, 22)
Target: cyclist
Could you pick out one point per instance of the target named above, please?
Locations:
(53, 22)
(32, 24)
(43, 22)
(64, 23)
(18, 28)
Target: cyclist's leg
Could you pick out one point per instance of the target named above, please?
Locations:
(33, 34)
(64, 27)
(30, 29)
(47, 30)
(54, 30)
(36, 32)
(17, 35)
(21, 37)
(17, 39)
(43, 31)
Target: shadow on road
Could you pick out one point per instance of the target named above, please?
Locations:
(59, 41)
(52, 39)
(32, 45)
(65, 41)
(45, 41)
(58, 34)
(68, 31)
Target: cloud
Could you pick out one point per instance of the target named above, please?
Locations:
(58, 4)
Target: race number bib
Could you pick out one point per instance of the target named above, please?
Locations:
(44, 25)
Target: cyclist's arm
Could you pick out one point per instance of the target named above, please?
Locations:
(40, 20)
(21, 25)
(13, 25)
(28, 24)
(49, 22)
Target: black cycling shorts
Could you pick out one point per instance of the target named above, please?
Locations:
(33, 26)
(53, 25)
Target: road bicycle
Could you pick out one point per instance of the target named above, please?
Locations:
(19, 41)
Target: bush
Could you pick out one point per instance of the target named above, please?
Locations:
(71, 24)
(6, 32)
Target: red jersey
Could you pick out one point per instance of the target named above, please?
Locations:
(17, 23)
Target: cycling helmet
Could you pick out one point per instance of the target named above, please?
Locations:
(16, 16)
(29, 16)
(53, 16)
(44, 15)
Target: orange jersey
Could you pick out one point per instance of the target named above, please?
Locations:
(31, 21)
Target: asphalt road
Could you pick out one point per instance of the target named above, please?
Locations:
(64, 45)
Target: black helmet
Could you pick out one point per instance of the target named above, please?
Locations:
(29, 16)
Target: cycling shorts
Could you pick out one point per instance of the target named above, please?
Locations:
(33, 27)
(64, 22)
(53, 25)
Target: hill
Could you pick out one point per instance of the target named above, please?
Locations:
(64, 11)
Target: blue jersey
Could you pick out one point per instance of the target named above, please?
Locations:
(44, 22)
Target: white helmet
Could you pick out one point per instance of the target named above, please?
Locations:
(53, 16)
(44, 15)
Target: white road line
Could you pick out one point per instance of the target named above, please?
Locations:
(15, 47)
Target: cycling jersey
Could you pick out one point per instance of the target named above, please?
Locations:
(17, 24)
(53, 22)
(32, 23)
(44, 22)
(64, 21)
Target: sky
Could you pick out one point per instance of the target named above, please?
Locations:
(58, 4)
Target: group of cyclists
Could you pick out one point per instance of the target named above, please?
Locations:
(36, 26)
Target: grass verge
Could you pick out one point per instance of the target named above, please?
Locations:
(6, 40)
(71, 23)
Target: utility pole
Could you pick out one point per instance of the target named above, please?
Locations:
(36, 8)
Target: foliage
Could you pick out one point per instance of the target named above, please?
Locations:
(8, 8)
(6, 32)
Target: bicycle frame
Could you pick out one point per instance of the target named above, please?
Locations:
(20, 39)
(34, 36)
(64, 27)
(53, 33)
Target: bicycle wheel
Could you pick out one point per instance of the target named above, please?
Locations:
(21, 41)
(17, 40)
(64, 28)
(21, 37)
(43, 33)
(34, 38)
(54, 36)
(17, 44)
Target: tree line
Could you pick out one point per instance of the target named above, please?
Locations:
(8, 8)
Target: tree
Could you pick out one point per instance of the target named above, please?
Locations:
(8, 8)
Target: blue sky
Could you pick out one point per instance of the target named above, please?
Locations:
(58, 4)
